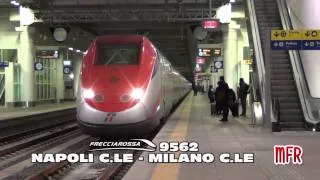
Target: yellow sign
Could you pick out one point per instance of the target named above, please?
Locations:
(283, 35)
(310, 34)
(248, 61)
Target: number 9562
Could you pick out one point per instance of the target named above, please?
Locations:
(178, 146)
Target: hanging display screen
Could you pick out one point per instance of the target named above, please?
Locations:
(47, 54)
(205, 52)
(217, 52)
(67, 63)
(210, 24)
(201, 60)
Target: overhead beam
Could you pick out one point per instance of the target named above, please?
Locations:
(107, 5)
(108, 15)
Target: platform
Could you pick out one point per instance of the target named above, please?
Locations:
(9, 113)
(192, 122)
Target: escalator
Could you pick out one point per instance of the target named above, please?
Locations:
(283, 87)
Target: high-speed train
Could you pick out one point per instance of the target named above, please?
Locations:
(126, 87)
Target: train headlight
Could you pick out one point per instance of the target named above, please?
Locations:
(137, 93)
(88, 94)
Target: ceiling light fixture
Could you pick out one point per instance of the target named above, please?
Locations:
(15, 3)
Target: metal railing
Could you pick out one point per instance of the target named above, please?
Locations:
(254, 87)
(2, 85)
(259, 59)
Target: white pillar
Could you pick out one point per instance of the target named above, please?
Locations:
(26, 61)
(9, 85)
(230, 57)
(77, 62)
(240, 60)
(59, 79)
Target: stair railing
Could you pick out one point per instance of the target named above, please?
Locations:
(259, 59)
(2, 85)
(276, 114)
(253, 96)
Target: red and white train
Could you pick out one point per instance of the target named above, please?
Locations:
(127, 86)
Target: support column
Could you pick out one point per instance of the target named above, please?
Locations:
(60, 79)
(230, 57)
(9, 85)
(240, 63)
(26, 61)
(76, 72)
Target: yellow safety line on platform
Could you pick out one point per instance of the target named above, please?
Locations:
(169, 171)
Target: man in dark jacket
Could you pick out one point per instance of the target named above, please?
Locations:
(243, 92)
(219, 108)
(233, 105)
(211, 99)
(195, 89)
(221, 95)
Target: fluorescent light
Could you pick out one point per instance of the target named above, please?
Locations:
(78, 50)
(224, 13)
(70, 48)
(15, 3)
(232, 1)
(71, 76)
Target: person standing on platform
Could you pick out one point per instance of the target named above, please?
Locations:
(221, 95)
(195, 89)
(211, 99)
(242, 95)
(233, 104)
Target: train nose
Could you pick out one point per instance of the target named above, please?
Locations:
(115, 89)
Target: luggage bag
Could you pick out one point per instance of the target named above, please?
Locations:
(235, 109)
(213, 108)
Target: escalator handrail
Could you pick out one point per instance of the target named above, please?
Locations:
(2, 84)
(264, 84)
(297, 67)
(276, 109)
(259, 58)
(256, 38)
(253, 87)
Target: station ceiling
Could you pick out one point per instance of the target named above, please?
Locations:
(165, 22)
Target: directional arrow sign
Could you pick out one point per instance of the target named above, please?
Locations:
(310, 45)
(311, 35)
(307, 34)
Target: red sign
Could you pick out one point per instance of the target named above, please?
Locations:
(200, 60)
(210, 24)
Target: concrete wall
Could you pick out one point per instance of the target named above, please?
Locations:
(306, 15)
(42, 39)
(9, 38)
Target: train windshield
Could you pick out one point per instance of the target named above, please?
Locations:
(127, 54)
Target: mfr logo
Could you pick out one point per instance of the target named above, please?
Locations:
(110, 117)
(286, 154)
